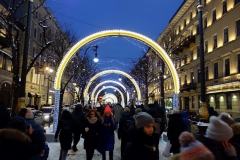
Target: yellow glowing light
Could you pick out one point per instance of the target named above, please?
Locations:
(159, 50)
(115, 72)
(111, 96)
(109, 81)
(106, 88)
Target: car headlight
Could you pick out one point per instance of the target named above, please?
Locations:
(46, 116)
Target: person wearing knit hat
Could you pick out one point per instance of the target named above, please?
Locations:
(216, 140)
(192, 149)
(106, 142)
(143, 139)
(226, 118)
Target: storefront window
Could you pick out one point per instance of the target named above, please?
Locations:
(229, 100)
(217, 98)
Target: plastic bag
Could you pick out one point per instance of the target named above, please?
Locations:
(166, 152)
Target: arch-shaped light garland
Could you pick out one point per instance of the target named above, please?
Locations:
(110, 95)
(109, 81)
(159, 50)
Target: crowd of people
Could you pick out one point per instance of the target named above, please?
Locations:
(139, 128)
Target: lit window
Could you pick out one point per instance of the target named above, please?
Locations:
(214, 15)
(214, 41)
(224, 7)
(225, 35)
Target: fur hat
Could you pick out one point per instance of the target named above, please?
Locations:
(226, 118)
(18, 123)
(218, 130)
(143, 119)
(107, 109)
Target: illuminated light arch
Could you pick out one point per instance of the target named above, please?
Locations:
(109, 81)
(85, 93)
(110, 95)
(159, 50)
(107, 100)
(122, 103)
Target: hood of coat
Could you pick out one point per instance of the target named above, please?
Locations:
(236, 128)
(126, 114)
(15, 135)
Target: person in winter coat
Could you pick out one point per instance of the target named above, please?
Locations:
(216, 140)
(106, 142)
(157, 124)
(65, 131)
(235, 140)
(160, 114)
(143, 143)
(15, 143)
(117, 112)
(185, 120)
(87, 108)
(124, 127)
(212, 112)
(91, 133)
(4, 116)
(175, 128)
(38, 137)
(78, 120)
(191, 149)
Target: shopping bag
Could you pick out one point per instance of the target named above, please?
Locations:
(166, 152)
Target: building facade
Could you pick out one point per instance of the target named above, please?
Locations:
(221, 31)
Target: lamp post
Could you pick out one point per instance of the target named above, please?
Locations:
(203, 112)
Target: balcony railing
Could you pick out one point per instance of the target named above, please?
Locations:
(187, 41)
(177, 50)
(188, 87)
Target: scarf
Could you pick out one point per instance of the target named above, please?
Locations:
(92, 120)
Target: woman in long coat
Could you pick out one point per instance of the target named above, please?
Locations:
(65, 131)
(175, 128)
(107, 141)
(91, 133)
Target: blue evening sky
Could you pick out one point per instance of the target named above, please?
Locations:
(148, 17)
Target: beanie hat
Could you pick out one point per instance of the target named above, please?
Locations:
(138, 110)
(218, 130)
(143, 119)
(18, 123)
(226, 118)
(107, 110)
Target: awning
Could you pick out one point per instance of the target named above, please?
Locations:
(31, 94)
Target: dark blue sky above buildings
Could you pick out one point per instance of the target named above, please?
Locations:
(148, 17)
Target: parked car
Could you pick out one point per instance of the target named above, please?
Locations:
(38, 117)
(48, 114)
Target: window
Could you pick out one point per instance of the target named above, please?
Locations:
(191, 54)
(199, 75)
(179, 28)
(236, 1)
(192, 77)
(238, 28)
(225, 35)
(197, 29)
(227, 67)
(191, 32)
(185, 59)
(35, 33)
(206, 73)
(238, 63)
(198, 51)
(205, 23)
(224, 7)
(229, 100)
(185, 23)
(191, 17)
(214, 15)
(204, 2)
(214, 41)
(215, 70)
(36, 15)
(217, 99)
(193, 102)
(206, 47)
(185, 79)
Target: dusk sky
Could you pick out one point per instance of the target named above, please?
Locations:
(148, 17)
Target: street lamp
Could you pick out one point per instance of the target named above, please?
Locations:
(203, 111)
(120, 78)
(95, 59)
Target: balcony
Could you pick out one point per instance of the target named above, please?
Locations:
(188, 87)
(177, 49)
(187, 41)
